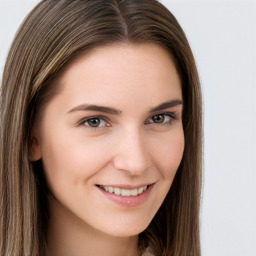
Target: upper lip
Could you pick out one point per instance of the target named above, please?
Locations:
(125, 186)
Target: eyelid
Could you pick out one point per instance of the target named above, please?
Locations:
(86, 119)
(173, 116)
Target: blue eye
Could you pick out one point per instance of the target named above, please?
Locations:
(95, 122)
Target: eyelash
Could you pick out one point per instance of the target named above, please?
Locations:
(86, 120)
(172, 117)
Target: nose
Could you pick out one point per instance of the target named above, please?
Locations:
(132, 153)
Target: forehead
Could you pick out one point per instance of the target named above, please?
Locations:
(120, 75)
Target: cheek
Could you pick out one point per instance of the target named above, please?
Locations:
(168, 155)
(73, 158)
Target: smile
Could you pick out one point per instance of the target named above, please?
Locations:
(124, 192)
(126, 195)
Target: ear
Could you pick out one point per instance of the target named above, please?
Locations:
(34, 149)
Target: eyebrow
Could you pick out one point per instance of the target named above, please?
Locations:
(112, 111)
(86, 107)
(168, 104)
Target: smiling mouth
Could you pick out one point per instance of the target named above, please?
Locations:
(124, 192)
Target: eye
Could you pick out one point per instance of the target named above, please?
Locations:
(161, 119)
(95, 122)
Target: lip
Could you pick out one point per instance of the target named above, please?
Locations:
(129, 201)
(127, 186)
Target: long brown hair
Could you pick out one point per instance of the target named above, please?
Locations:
(50, 38)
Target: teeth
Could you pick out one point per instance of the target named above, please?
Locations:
(140, 190)
(134, 192)
(110, 189)
(125, 192)
(117, 191)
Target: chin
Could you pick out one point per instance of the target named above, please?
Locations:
(125, 229)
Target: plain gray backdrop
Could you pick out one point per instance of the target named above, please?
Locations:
(222, 35)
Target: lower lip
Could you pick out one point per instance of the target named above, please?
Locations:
(130, 201)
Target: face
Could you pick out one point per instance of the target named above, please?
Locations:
(112, 139)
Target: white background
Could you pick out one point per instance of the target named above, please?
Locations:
(222, 35)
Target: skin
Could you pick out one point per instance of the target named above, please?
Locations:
(128, 147)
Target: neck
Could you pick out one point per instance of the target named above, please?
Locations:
(69, 235)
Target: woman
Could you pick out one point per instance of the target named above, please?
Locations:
(100, 133)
